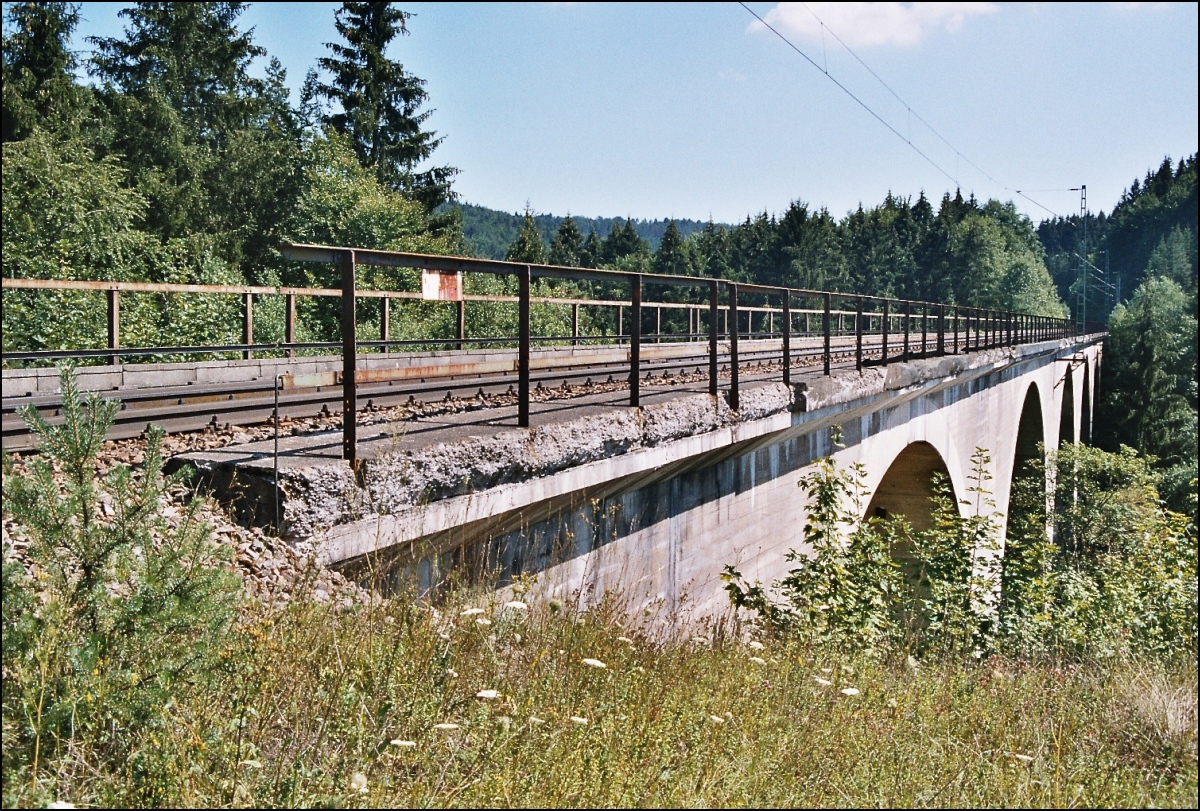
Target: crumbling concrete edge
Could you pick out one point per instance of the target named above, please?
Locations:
(384, 531)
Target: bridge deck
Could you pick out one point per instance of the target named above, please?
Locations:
(325, 447)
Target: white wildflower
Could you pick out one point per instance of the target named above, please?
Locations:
(516, 605)
(1023, 758)
(453, 674)
(533, 719)
(716, 719)
(488, 695)
(483, 622)
(755, 645)
(358, 783)
(447, 727)
(403, 744)
(575, 719)
(471, 612)
(758, 660)
(850, 691)
(625, 639)
(823, 682)
(596, 663)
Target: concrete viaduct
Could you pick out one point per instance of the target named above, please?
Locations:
(686, 460)
(654, 501)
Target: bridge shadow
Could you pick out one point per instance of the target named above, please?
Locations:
(499, 549)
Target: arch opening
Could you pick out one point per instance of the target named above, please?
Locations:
(908, 486)
(1066, 421)
(1027, 499)
(906, 491)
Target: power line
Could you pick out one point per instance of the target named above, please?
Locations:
(913, 113)
(846, 90)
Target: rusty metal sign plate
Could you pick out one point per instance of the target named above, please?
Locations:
(440, 285)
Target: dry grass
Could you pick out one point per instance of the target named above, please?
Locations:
(400, 704)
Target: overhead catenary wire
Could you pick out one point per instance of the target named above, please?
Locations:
(912, 113)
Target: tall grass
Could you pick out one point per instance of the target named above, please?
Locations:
(482, 699)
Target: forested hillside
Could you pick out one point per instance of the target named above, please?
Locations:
(489, 232)
(177, 163)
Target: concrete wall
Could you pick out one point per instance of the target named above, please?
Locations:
(663, 534)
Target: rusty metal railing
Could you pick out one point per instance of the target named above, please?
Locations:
(882, 330)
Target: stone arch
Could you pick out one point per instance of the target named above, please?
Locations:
(1066, 419)
(1085, 410)
(906, 487)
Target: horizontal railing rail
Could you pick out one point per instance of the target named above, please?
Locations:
(883, 329)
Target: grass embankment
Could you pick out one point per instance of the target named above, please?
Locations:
(316, 706)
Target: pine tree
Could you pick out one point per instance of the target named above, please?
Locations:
(528, 246)
(39, 68)
(567, 248)
(379, 103)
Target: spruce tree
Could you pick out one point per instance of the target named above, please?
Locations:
(567, 247)
(39, 68)
(528, 246)
(589, 254)
(672, 257)
(378, 103)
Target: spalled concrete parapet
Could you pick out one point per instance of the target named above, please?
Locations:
(319, 494)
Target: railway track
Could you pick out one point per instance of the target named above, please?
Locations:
(197, 407)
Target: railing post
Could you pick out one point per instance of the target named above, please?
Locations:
(658, 325)
(114, 324)
(247, 324)
(620, 322)
(941, 330)
(770, 323)
(1009, 324)
(884, 329)
(349, 360)
(635, 340)
(787, 337)
(713, 306)
(385, 318)
(524, 276)
(460, 322)
(825, 325)
(733, 348)
(924, 330)
(907, 323)
(858, 333)
(574, 325)
(957, 326)
(289, 324)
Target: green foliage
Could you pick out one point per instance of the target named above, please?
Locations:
(379, 103)
(879, 584)
(528, 246)
(39, 66)
(1149, 393)
(1106, 572)
(213, 149)
(566, 249)
(67, 215)
(122, 612)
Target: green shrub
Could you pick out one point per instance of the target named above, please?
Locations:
(121, 612)
(1106, 571)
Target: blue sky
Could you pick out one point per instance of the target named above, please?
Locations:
(695, 110)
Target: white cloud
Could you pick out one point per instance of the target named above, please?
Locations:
(867, 24)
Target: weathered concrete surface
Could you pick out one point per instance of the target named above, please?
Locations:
(657, 499)
(320, 492)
